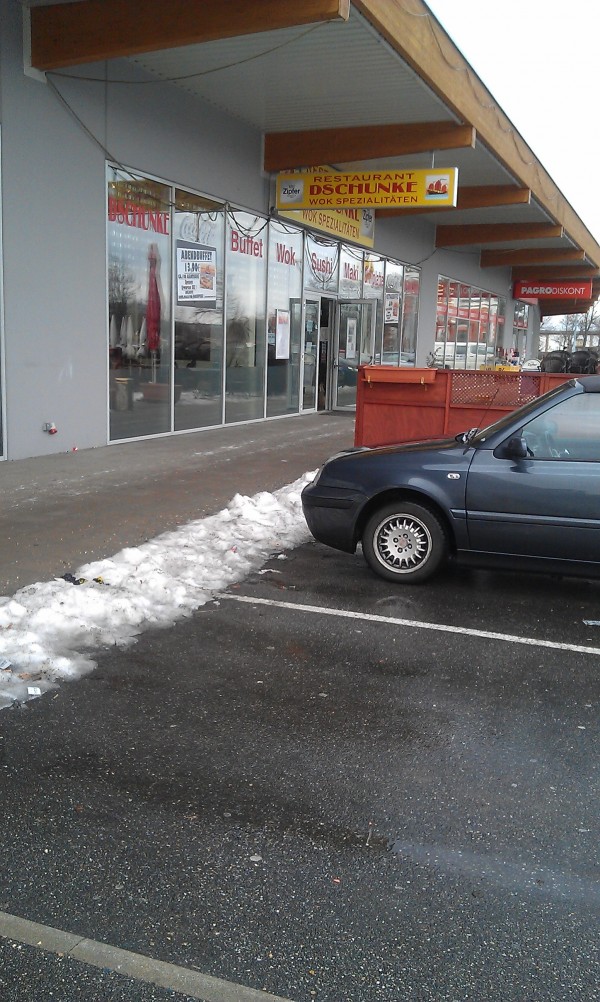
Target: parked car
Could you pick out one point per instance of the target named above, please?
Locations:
(531, 365)
(522, 492)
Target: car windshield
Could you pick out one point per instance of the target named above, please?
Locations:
(481, 435)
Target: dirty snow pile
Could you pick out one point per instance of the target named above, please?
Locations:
(48, 629)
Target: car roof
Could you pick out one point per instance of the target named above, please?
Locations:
(591, 384)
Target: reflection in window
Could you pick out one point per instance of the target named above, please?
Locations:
(321, 264)
(351, 272)
(569, 432)
(400, 314)
(198, 233)
(520, 325)
(468, 320)
(139, 302)
(410, 315)
(246, 241)
(392, 313)
(284, 317)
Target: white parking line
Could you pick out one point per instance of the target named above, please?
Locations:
(131, 965)
(414, 624)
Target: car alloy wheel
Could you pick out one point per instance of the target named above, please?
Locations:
(404, 542)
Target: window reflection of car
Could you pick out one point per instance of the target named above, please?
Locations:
(395, 358)
(480, 354)
(348, 369)
(519, 494)
(398, 358)
(463, 354)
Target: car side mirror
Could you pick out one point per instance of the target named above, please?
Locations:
(516, 448)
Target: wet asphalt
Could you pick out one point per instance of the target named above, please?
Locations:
(69, 508)
(323, 807)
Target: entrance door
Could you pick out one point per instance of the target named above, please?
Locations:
(354, 338)
(310, 348)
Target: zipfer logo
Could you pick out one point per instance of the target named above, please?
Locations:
(292, 191)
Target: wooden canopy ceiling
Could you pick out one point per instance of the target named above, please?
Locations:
(555, 245)
(68, 34)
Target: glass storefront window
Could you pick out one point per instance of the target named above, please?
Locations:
(139, 302)
(351, 272)
(392, 313)
(410, 315)
(246, 242)
(493, 320)
(284, 319)
(467, 339)
(373, 289)
(210, 308)
(484, 320)
(321, 265)
(520, 325)
(441, 323)
(198, 232)
(501, 321)
(474, 316)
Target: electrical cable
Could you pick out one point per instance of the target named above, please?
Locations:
(191, 76)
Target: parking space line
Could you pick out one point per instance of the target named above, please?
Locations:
(132, 965)
(414, 624)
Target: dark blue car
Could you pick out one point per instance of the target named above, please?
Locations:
(523, 492)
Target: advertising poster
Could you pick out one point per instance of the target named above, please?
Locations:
(196, 268)
(392, 308)
(282, 334)
(351, 338)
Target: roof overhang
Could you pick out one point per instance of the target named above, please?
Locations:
(389, 89)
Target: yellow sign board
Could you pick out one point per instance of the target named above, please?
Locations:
(357, 225)
(367, 189)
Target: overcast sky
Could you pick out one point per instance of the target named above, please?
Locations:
(541, 61)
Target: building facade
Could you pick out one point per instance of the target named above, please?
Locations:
(150, 287)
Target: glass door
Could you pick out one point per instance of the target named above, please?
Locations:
(310, 347)
(354, 337)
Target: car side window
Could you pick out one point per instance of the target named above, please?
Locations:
(570, 431)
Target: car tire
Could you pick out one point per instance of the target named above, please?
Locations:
(404, 542)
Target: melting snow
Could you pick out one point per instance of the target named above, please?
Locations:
(48, 630)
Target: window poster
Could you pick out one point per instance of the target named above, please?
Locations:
(392, 308)
(196, 266)
(282, 334)
(351, 338)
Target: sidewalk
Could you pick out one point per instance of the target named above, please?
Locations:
(65, 510)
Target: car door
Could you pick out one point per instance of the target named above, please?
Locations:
(547, 504)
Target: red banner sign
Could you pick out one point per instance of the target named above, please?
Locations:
(546, 289)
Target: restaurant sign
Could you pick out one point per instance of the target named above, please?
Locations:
(356, 225)
(546, 289)
(368, 189)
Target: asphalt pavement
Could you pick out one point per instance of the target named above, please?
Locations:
(70, 508)
(320, 786)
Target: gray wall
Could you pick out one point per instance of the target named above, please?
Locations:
(54, 230)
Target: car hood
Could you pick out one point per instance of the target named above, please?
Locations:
(430, 447)
(365, 462)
